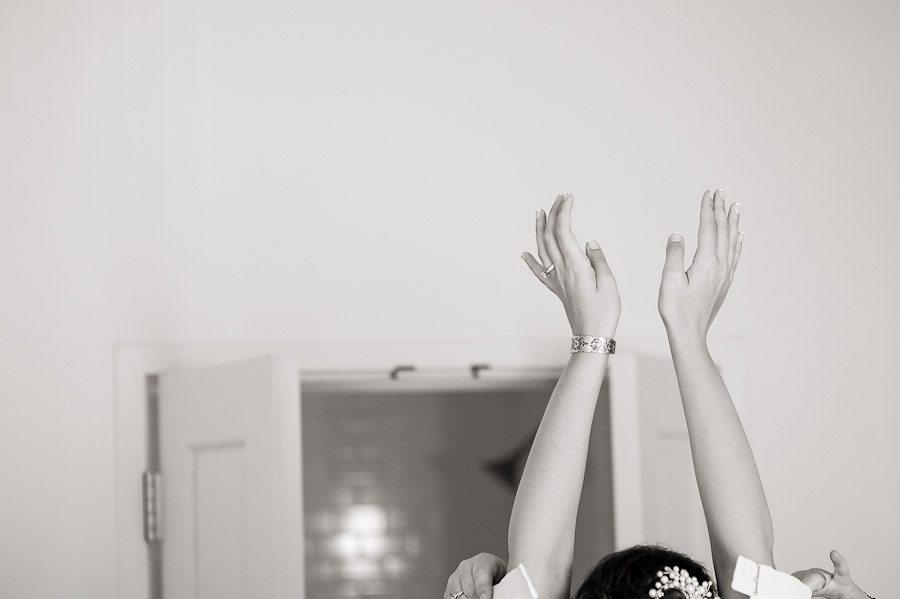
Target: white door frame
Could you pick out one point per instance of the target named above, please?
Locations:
(133, 362)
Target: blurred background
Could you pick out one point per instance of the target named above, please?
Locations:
(273, 171)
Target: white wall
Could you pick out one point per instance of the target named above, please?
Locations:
(261, 171)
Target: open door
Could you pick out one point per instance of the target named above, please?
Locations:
(656, 499)
(229, 460)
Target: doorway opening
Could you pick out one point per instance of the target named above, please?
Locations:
(406, 475)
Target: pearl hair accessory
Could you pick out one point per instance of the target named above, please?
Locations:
(677, 578)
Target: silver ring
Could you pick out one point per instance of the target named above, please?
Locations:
(457, 595)
(544, 274)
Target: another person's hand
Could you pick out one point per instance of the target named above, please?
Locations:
(582, 280)
(814, 578)
(689, 301)
(476, 577)
(837, 585)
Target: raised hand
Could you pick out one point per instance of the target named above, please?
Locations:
(689, 301)
(582, 280)
(837, 585)
(475, 577)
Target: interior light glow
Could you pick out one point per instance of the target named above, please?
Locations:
(365, 520)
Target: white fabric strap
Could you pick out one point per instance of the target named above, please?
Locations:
(765, 582)
(515, 585)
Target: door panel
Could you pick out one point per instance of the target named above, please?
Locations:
(221, 514)
(229, 447)
(656, 495)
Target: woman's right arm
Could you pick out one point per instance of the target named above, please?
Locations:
(542, 525)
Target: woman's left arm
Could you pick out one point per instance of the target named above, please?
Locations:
(731, 490)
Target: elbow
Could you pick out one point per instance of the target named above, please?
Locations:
(770, 544)
(766, 546)
(548, 565)
(758, 547)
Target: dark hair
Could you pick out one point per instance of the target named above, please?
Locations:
(631, 573)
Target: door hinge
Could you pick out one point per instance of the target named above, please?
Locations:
(151, 486)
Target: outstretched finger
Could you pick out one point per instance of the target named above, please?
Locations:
(556, 256)
(674, 256)
(598, 259)
(706, 236)
(734, 221)
(841, 568)
(538, 270)
(540, 225)
(565, 238)
(721, 226)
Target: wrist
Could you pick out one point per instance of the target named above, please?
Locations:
(607, 330)
(688, 345)
(685, 334)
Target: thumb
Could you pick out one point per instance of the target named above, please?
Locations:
(675, 254)
(596, 256)
(841, 568)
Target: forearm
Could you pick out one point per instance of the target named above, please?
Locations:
(733, 499)
(542, 525)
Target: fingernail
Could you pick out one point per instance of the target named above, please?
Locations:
(741, 235)
(569, 196)
(676, 237)
(737, 208)
(522, 256)
(537, 214)
(594, 244)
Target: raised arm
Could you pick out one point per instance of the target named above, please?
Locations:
(542, 526)
(734, 502)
